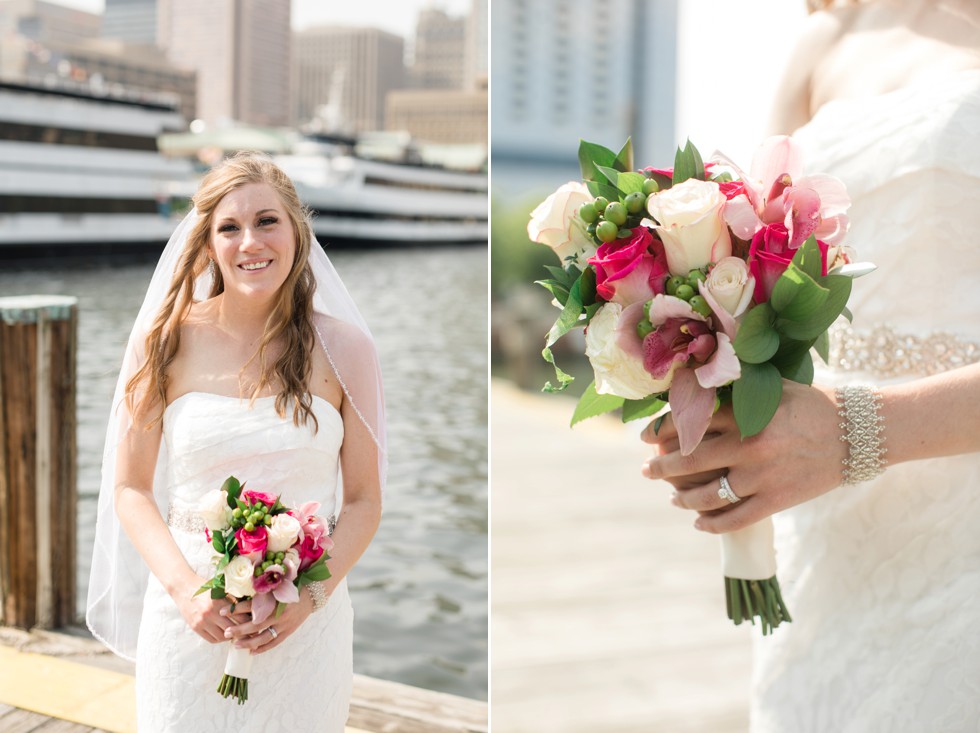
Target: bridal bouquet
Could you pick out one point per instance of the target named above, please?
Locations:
(698, 285)
(266, 552)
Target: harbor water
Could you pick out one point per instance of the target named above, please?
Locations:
(420, 591)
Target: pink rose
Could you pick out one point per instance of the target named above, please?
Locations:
(252, 497)
(630, 270)
(769, 256)
(252, 542)
(309, 552)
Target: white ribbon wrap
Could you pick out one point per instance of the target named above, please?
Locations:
(239, 663)
(749, 554)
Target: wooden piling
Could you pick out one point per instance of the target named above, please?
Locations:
(37, 460)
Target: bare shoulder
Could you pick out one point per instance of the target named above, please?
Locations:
(792, 107)
(341, 335)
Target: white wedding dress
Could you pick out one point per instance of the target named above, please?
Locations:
(304, 684)
(883, 578)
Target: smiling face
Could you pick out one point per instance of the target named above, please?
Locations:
(252, 241)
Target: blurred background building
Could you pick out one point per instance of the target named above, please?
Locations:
(134, 21)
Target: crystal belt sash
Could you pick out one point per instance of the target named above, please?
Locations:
(187, 520)
(886, 353)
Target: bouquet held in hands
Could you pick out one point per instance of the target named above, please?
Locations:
(699, 285)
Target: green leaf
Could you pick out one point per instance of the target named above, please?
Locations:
(637, 409)
(590, 155)
(586, 287)
(807, 329)
(786, 288)
(808, 259)
(822, 345)
(591, 403)
(569, 314)
(601, 188)
(624, 158)
(846, 312)
(625, 183)
(809, 297)
(280, 607)
(563, 379)
(757, 340)
(218, 542)
(223, 562)
(556, 289)
(755, 397)
(316, 572)
(233, 488)
(687, 164)
(801, 371)
(563, 276)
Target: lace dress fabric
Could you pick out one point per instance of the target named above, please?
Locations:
(304, 684)
(883, 578)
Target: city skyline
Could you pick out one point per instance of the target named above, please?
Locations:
(398, 18)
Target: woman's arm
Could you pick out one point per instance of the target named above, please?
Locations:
(140, 518)
(799, 455)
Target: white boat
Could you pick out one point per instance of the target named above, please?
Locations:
(81, 169)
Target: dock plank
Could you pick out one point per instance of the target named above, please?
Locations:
(607, 607)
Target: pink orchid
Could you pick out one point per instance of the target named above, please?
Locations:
(253, 497)
(630, 270)
(699, 351)
(273, 586)
(777, 192)
(313, 525)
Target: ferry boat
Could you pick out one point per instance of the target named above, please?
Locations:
(78, 169)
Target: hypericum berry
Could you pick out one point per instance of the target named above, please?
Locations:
(590, 229)
(249, 527)
(650, 186)
(267, 519)
(646, 308)
(636, 202)
(694, 277)
(675, 282)
(700, 305)
(237, 513)
(606, 231)
(600, 203)
(616, 213)
(684, 292)
(644, 328)
(587, 213)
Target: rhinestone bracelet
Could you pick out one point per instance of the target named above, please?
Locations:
(860, 408)
(319, 595)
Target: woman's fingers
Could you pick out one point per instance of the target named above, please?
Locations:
(715, 453)
(708, 497)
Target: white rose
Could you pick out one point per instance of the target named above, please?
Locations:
(238, 577)
(617, 372)
(283, 532)
(214, 510)
(555, 223)
(731, 285)
(691, 224)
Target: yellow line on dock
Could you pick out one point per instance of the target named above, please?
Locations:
(79, 693)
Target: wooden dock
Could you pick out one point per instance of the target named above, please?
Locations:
(607, 607)
(54, 682)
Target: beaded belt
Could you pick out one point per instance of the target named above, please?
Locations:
(187, 520)
(885, 353)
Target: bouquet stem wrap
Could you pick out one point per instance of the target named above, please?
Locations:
(751, 588)
(234, 681)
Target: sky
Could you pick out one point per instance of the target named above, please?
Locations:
(395, 16)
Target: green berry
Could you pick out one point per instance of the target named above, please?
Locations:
(636, 202)
(259, 506)
(616, 213)
(644, 328)
(249, 527)
(694, 277)
(600, 204)
(650, 186)
(606, 231)
(267, 519)
(684, 292)
(646, 308)
(590, 229)
(258, 571)
(587, 213)
(673, 283)
(280, 556)
(700, 305)
(237, 513)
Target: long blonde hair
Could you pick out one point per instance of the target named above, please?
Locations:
(290, 321)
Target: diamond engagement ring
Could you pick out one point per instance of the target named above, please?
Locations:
(725, 492)
(275, 634)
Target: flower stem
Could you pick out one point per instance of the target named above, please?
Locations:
(233, 687)
(747, 600)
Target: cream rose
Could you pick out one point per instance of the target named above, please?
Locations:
(238, 577)
(616, 371)
(555, 223)
(691, 224)
(283, 532)
(731, 285)
(214, 510)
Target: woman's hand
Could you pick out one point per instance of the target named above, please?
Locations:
(256, 637)
(207, 617)
(796, 458)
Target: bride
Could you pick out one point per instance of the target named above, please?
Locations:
(248, 358)
(882, 576)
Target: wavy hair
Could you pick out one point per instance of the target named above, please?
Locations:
(291, 319)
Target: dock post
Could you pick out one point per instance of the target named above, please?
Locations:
(38, 335)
